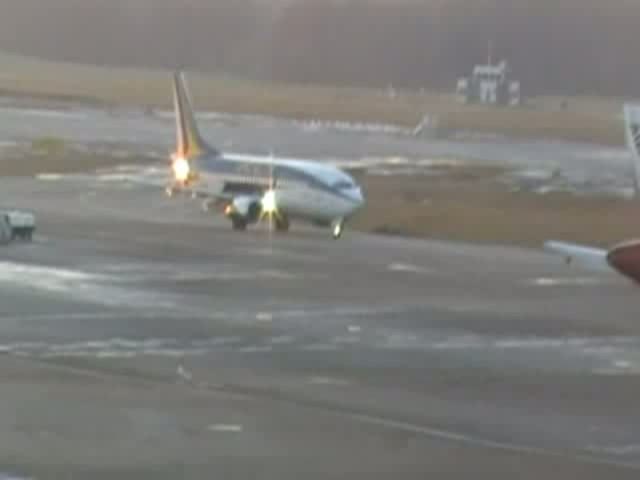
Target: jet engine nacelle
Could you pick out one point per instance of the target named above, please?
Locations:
(247, 207)
(625, 258)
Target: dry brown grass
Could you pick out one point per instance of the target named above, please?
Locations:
(539, 124)
(475, 208)
(52, 155)
(592, 120)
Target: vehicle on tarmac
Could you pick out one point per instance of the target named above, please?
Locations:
(16, 225)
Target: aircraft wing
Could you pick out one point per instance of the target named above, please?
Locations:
(160, 178)
(632, 135)
(357, 173)
(588, 257)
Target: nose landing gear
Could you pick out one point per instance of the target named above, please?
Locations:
(337, 226)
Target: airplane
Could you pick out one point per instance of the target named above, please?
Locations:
(623, 258)
(250, 188)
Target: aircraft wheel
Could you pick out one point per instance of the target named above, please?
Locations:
(282, 224)
(336, 229)
(239, 223)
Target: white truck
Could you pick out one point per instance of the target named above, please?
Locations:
(15, 225)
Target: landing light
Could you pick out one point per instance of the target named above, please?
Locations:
(181, 169)
(337, 229)
(269, 204)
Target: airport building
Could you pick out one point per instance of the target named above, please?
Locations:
(489, 85)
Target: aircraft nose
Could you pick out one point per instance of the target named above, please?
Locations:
(358, 197)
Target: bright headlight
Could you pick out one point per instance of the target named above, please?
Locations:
(269, 204)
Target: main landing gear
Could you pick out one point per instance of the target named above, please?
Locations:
(281, 223)
(238, 223)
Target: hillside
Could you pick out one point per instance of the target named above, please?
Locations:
(557, 47)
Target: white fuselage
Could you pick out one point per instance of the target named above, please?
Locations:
(303, 189)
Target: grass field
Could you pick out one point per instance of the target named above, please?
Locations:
(471, 205)
(584, 119)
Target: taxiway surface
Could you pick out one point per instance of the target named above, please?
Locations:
(144, 339)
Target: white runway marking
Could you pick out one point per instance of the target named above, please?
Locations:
(124, 348)
(201, 272)
(622, 364)
(417, 164)
(277, 252)
(329, 381)
(225, 428)
(282, 340)
(564, 281)
(49, 177)
(256, 349)
(319, 347)
(402, 341)
(619, 368)
(409, 268)
(97, 316)
(545, 343)
(621, 450)
(313, 126)
(610, 355)
(459, 343)
(265, 317)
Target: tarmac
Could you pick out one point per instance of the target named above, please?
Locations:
(142, 338)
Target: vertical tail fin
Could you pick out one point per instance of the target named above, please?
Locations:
(189, 142)
(632, 134)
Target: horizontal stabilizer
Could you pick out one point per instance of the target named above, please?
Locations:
(588, 257)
